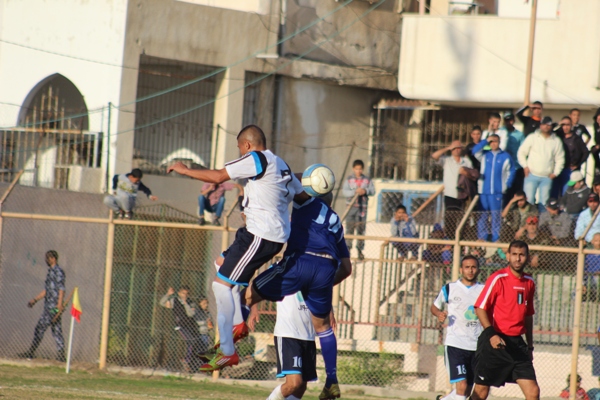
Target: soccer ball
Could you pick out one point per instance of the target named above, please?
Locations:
(318, 180)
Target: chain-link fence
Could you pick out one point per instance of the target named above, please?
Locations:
(386, 334)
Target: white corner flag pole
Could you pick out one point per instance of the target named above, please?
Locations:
(70, 344)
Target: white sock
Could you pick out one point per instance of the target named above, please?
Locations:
(459, 397)
(237, 315)
(276, 394)
(450, 396)
(292, 397)
(225, 311)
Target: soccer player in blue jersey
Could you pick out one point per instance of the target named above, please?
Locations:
(316, 259)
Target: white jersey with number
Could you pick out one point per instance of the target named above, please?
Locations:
(294, 319)
(270, 189)
(463, 325)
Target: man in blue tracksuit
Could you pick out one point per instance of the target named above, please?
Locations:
(496, 175)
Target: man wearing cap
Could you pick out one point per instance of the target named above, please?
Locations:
(574, 201)
(558, 223)
(542, 157)
(532, 123)
(496, 175)
(514, 142)
(576, 153)
(586, 217)
(454, 165)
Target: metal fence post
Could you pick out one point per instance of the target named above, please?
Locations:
(577, 311)
(456, 257)
(110, 243)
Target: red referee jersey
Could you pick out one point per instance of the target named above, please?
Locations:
(507, 301)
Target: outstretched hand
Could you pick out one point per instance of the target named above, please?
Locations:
(178, 167)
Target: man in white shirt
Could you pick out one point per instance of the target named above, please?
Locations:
(271, 187)
(463, 326)
(295, 347)
(542, 157)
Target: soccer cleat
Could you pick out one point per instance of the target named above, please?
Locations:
(240, 331)
(329, 393)
(220, 361)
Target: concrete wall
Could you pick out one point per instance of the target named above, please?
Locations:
(482, 59)
(81, 248)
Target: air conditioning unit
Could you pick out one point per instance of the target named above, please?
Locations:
(85, 179)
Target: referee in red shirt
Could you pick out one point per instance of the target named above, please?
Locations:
(505, 310)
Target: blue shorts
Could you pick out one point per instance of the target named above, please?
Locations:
(311, 275)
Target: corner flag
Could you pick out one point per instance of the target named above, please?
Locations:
(76, 306)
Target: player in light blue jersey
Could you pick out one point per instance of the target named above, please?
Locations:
(316, 259)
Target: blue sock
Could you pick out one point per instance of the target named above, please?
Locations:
(329, 352)
(245, 312)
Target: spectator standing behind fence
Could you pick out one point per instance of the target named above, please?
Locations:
(454, 166)
(543, 158)
(513, 144)
(592, 272)
(53, 295)
(585, 218)
(557, 223)
(596, 147)
(403, 226)
(356, 220)
(516, 212)
(212, 199)
(530, 123)
(576, 153)
(580, 394)
(577, 128)
(574, 200)
(204, 321)
(476, 134)
(125, 188)
(494, 129)
(183, 317)
(496, 176)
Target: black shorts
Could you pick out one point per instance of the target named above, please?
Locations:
(246, 254)
(459, 363)
(495, 367)
(296, 357)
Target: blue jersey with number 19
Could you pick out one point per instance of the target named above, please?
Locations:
(316, 228)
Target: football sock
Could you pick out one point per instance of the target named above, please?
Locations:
(245, 312)
(450, 396)
(459, 397)
(276, 394)
(225, 311)
(237, 315)
(329, 352)
(292, 397)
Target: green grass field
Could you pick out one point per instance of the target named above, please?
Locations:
(24, 382)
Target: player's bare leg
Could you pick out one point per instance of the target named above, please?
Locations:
(530, 388)
(294, 385)
(480, 392)
(326, 335)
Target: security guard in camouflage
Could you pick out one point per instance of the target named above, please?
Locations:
(53, 296)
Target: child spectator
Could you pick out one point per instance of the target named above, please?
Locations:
(531, 235)
(403, 226)
(580, 394)
(204, 321)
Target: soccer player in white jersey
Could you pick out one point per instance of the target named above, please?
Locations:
(295, 347)
(463, 326)
(271, 187)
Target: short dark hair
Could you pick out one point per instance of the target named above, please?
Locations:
(137, 173)
(520, 193)
(400, 207)
(493, 135)
(358, 162)
(476, 128)
(567, 117)
(469, 257)
(539, 103)
(574, 109)
(495, 115)
(328, 198)
(53, 254)
(254, 135)
(519, 244)
(184, 287)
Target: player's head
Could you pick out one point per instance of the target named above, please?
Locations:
(327, 199)
(136, 175)
(51, 257)
(469, 268)
(251, 138)
(358, 167)
(518, 255)
(184, 290)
